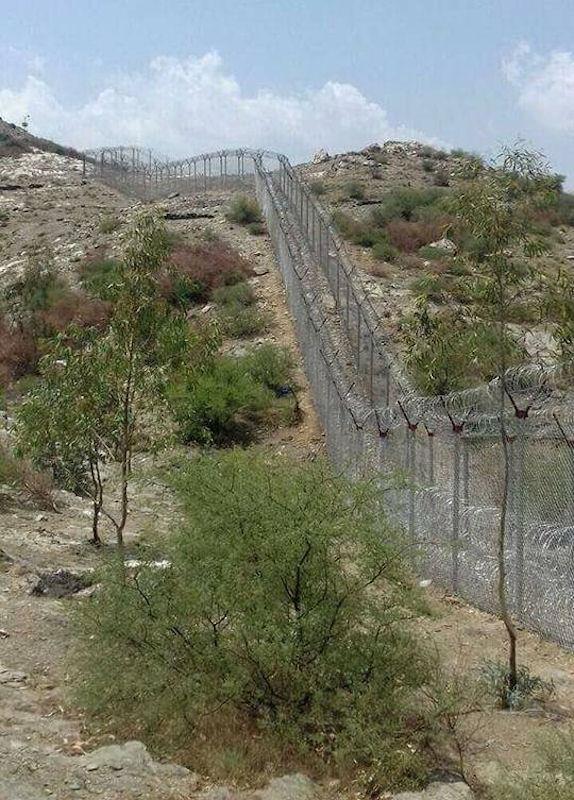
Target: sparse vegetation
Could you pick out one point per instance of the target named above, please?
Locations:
(551, 777)
(355, 190)
(244, 210)
(108, 224)
(528, 687)
(317, 187)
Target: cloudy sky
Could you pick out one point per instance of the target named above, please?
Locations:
(185, 76)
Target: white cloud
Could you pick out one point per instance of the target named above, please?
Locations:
(184, 106)
(545, 85)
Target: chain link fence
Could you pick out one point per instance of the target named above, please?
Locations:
(441, 461)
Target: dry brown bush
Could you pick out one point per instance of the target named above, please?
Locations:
(197, 270)
(409, 236)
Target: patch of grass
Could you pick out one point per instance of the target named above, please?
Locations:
(36, 486)
(551, 777)
(434, 253)
(237, 294)
(108, 224)
(272, 366)
(260, 628)
(238, 315)
(243, 210)
(357, 232)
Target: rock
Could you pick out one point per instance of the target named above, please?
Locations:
(320, 156)
(288, 787)
(131, 757)
(439, 791)
(61, 583)
(445, 244)
(175, 215)
(260, 269)
(11, 677)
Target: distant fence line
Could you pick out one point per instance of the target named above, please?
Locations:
(448, 450)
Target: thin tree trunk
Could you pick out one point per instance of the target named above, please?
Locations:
(97, 502)
(501, 545)
(126, 445)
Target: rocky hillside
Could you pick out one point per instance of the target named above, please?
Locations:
(390, 204)
(16, 140)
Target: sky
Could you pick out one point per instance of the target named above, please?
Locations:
(190, 76)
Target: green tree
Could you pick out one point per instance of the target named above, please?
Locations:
(494, 208)
(284, 608)
(99, 393)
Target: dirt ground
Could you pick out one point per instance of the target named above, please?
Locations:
(44, 748)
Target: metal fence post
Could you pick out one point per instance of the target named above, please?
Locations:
(455, 533)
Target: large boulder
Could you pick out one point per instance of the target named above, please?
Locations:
(320, 156)
(131, 757)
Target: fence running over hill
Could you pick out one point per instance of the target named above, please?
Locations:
(448, 452)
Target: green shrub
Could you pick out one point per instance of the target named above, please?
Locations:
(257, 228)
(445, 351)
(100, 276)
(355, 231)
(272, 366)
(494, 677)
(281, 615)
(238, 321)
(39, 288)
(317, 187)
(428, 165)
(4, 216)
(565, 209)
(354, 189)
(221, 406)
(434, 253)
(441, 178)
(384, 251)
(243, 210)
(237, 294)
(402, 204)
